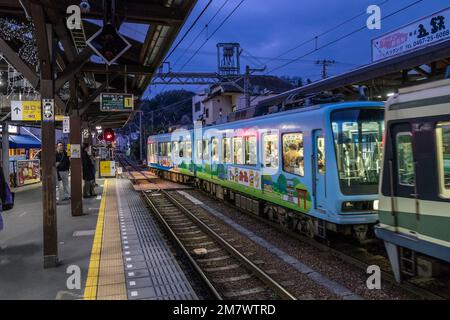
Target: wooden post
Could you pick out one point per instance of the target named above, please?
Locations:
(76, 172)
(5, 151)
(76, 181)
(45, 43)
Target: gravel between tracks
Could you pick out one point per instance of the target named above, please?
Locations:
(326, 263)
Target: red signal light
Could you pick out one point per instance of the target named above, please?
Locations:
(108, 135)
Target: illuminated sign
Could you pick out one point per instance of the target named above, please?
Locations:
(116, 102)
(26, 110)
(417, 35)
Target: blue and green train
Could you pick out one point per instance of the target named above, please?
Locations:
(314, 169)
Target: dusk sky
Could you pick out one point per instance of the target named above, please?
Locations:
(266, 29)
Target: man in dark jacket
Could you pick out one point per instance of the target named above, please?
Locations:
(88, 173)
(62, 170)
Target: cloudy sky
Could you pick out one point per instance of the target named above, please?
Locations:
(266, 29)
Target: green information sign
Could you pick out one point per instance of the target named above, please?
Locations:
(116, 102)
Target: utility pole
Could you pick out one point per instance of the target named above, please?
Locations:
(325, 64)
(247, 84)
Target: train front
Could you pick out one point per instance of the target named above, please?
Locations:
(352, 194)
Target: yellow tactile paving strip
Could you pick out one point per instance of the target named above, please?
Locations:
(106, 278)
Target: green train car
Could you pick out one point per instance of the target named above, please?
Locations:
(414, 194)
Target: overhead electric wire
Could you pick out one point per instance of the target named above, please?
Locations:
(322, 33)
(189, 30)
(341, 38)
(213, 33)
(201, 31)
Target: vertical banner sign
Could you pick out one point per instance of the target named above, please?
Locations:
(66, 124)
(48, 110)
(417, 35)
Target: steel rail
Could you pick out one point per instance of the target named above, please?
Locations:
(192, 261)
(269, 281)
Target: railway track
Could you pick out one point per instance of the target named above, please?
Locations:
(349, 253)
(226, 271)
(352, 254)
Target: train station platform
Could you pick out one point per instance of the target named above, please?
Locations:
(116, 245)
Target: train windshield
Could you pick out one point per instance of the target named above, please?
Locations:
(358, 135)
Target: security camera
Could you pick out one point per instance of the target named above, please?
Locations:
(85, 6)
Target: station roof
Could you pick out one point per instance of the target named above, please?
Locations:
(162, 19)
(380, 78)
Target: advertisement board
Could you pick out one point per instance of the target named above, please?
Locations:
(417, 35)
(27, 172)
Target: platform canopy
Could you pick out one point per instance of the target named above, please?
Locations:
(157, 22)
(379, 79)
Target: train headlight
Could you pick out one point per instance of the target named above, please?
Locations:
(376, 204)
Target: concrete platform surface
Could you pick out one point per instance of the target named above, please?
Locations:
(22, 275)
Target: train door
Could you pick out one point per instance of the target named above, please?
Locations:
(318, 164)
(402, 174)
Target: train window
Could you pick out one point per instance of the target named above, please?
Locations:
(293, 160)
(182, 149)
(162, 147)
(226, 150)
(320, 155)
(270, 156)
(358, 135)
(250, 150)
(443, 150)
(168, 149)
(205, 149)
(215, 150)
(188, 149)
(405, 160)
(238, 154)
(175, 148)
(199, 149)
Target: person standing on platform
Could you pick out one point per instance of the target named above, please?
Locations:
(6, 197)
(88, 173)
(62, 170)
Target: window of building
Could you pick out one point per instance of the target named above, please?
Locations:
(199, 149)
(197, 106)
(250, 150)
(206, 149)
(226, 150)
(207, 113)
(443, 155)
(270, 153)
(233, 108)
(293, 159)
(238, 154)
(405, 159)
(215, 150)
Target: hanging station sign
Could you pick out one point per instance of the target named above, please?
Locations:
(26, 110)
(116, 102)
(417, 35)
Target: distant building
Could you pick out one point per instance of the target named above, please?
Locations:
(225, 98)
